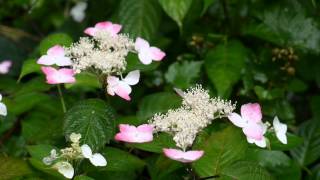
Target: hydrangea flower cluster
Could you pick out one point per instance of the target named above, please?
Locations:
(104, 53)
(198, 110)
(62, 161)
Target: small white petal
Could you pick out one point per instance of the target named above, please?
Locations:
(237, 120)
(98, 160)
(0, 97)
(280, 130)
(132, 78)
(261, 143)
(86, 151)
(65, 169)
(3, 109)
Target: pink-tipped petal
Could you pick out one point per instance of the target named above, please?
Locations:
(5, 66)
(254, 131)
(90, 31)
(45, 60)
(145, 128)
(251, 112)
(116, 28)
(157, 54)
(54, 76)
(132, 78)
(123, 90)
(103, 25)
(237, 120)
(132, 134)
(185, 157)
(56, 50)
(145, 57)
(141, 44)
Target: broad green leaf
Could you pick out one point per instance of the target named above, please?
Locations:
(54, 39)
(119, 160)
(93, 119)
(315, 173)
(224, 64)
(297, 85)
(29, 66)
(287, 28)
(281, 108)
(140, 18)
(315, 106)
(36, 84)
(40, 151)
(11, 168)
(159, 142)
(308, 152)
(275, 144)
(157, 103)
(85, 81)
(183, 74)
(243, 170)
(223, 147)
(265, 94)
(176, 9)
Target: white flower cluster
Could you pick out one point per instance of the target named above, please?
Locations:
(197, 112)
(104, 52)
(63, 161)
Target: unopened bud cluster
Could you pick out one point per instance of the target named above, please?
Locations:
(287, 56)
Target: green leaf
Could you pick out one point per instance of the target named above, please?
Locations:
(82, 177)
(85, 81)
(140, 18)
(267, 158)
(36, 84)
(29, 66)
(183, 74)
(264, 94)
(11, 168)
(157, 103)
(243, 170)
(162, 168)
(287, 28)
(315, 106)
(40, 151)
(308, 152)
(159, 142)
(296, 85)
(119, 160)
(93, 119)
(224, 64)
(275, 144)
(222, 148)
(54, 39)
(206, 5)
(176, 9)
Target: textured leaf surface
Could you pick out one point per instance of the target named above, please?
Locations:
(222, 148)
(93, 119)
(139, 17)
(224, 64)
(176, 9)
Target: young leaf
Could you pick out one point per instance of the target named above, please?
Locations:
(29, 66)
(93, 119)
(222, 148)
(139, 17)
(224, 64)
(176, 9)
(11, 168)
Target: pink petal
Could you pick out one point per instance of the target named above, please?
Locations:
(90, 31)
(145, 128)
(123, 90)
(46, 60)
(116, 28)
(56, 50)
(254, 131)
(103, 25)
(5, 66)
(157, 54)
(132, 78)
(132, 134)
(237, 120)
(185, 157)
(145, 56)
(54, 76)
(251, 112)
(141, 44)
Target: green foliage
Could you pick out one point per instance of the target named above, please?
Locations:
(29, 66)
(93, 119)
(140, 18)
(177, 10)
(222, 149)
(11, 168)
(160, 141)
(183, 75)
(224, 64)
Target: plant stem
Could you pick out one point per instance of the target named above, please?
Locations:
(61, 99)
